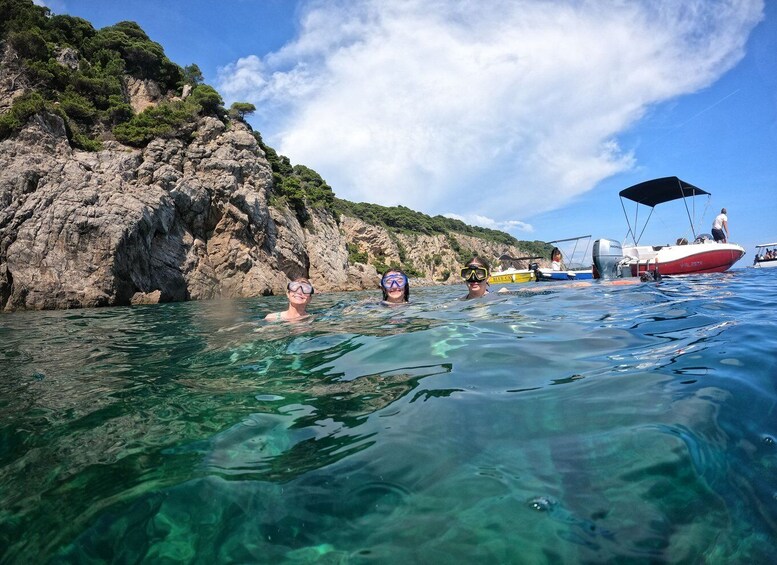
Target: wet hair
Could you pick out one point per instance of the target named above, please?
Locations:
(478, 261)
(407, 286)
(553, 253)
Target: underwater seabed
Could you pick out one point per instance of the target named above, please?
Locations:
(571, 424)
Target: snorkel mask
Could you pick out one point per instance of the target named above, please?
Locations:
(394, 280)
(474, 273)
(303, 287)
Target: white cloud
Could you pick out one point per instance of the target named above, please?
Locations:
(493, 110)
(56, 6)
(486, 222)
(243, 77)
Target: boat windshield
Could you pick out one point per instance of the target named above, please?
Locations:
(574, 251)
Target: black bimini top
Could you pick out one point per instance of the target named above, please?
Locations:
(657, 191)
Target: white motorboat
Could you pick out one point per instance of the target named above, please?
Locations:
(702, 255)
(765, 256)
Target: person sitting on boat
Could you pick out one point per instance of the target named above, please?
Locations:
(719, 225)
(681, 241)
(299, 292)
(395, 287)
(475, 273)
(555, 259)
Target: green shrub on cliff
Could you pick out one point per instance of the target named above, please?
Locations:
(30, 44)
(208, 100)
(239, 110)
(88, 89)
(192, 75)
(23, 107)
(144, 59)
(169, 119)
(16, 15)
(317, 192)
(70, 30)
(297, 186)
(405, 220)
(165, 120)
(77, 107)
(32, 103)
(354, 255)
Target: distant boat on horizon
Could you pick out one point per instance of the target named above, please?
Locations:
(760, 261)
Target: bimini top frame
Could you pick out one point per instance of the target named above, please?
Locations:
(657, 191)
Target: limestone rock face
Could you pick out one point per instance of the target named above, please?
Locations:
(142, 93)
(174, 221)
(68, 57)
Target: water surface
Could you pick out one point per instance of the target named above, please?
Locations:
(586, 424)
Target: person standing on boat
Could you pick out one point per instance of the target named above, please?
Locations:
(719, 225)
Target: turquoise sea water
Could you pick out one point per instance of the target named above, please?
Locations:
(603, 423)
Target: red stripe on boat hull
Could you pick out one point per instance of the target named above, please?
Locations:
(713, 261)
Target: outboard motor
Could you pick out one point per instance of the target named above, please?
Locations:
(535, 267)
(607, 255)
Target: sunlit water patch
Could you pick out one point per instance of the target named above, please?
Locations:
(584, 424)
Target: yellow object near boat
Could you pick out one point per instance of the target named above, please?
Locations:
(511, 276)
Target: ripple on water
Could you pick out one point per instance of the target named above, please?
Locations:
(435, 432)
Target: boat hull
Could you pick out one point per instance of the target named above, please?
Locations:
(765, 264)
(508, 277)
(550, 275)
(695, 258)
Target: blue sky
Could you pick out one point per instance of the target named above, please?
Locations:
(527, 116)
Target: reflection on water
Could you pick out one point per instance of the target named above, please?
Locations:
(587, 424)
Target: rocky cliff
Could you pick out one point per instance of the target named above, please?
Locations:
(173, 221)
(176, 221)
(191, 217)
(179, 221)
